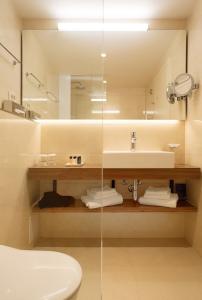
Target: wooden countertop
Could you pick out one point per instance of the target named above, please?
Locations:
(88, 172)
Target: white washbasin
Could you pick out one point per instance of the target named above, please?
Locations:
(138, 159)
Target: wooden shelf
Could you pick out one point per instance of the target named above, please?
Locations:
(95, 172)
(128, 206)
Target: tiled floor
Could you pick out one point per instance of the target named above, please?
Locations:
(138, 273)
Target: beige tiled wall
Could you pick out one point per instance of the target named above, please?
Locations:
(64, 138)
(194, 125)
(114, 225)
(19, 143)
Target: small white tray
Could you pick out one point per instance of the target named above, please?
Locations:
(74, 166)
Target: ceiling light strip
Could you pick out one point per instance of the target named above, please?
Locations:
(119, 27)
(110, 122)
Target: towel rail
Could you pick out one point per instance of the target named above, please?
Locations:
(15, 59)
(50, 95)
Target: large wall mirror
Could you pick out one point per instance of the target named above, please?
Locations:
(85, 75)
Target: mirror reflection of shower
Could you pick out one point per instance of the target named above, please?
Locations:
(87, 95)
(132, 86)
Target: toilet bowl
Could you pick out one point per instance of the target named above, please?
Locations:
(38, 275)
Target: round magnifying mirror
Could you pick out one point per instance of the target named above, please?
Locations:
(170, 93)
(183, 85)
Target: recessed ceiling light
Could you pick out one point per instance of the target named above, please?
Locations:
(71, 26)
(103, 55)
(104, 81)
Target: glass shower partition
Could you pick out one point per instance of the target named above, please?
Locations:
(63, 83)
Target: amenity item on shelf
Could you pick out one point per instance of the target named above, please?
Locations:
(159, 196)
(74, 165)
(48, 159)
(96, 197)
(51, 159)
(181, 190)
(75, 160)
(14, 108)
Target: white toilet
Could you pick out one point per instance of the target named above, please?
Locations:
(38, 275)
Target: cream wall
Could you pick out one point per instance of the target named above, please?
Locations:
(65, 138)
(194, 125)
(130, 102)
(114, 225)
(19, 144)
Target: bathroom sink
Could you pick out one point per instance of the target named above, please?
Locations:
(138, 159)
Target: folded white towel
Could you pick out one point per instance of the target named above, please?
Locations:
(172, 202)
(159, 190)
(93, 205)
(117, 198)
(97, 197)
(108, 201)
(114, 200)
(98, 193)
(157, 195)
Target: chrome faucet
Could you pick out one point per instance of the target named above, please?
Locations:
(133, 188)
(133, 140)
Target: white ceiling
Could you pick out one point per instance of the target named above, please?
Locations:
(113, 9)
(132, 58)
